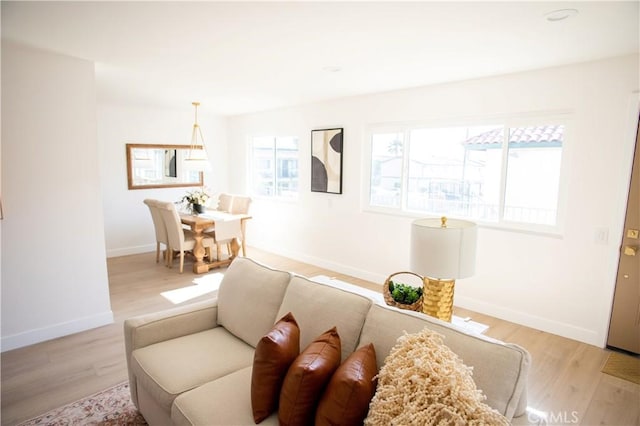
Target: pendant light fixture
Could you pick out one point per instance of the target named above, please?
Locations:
(196, 158)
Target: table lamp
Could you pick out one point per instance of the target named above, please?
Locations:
(442, 251)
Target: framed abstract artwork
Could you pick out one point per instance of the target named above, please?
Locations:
(170, 163)
(326, 160)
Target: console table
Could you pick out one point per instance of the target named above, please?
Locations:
(465, 323)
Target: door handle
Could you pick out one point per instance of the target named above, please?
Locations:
(630, 250)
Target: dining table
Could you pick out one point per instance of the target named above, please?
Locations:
(203, 221)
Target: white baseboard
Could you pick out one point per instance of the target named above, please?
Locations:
(539, 323)
(38, 335)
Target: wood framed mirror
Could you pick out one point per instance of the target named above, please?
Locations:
(160, 166)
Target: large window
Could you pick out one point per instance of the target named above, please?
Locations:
(386, 169)
(490, 173)
(275, 166)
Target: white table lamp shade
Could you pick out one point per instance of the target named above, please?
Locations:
(443, 252)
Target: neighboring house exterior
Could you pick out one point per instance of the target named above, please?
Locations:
(468, 185)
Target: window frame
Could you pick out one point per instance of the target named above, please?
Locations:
(508, 122)
(274, 158)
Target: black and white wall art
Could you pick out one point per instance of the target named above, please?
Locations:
(170, 163)
(326, 160)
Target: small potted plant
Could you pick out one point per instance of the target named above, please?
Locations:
(398, 293)
(196, 200)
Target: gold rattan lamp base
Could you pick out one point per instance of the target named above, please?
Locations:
(438, 298)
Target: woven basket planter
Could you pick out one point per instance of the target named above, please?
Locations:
(416, 306)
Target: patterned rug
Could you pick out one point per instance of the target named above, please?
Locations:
(112, 406)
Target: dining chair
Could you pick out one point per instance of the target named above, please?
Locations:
(180, 240)
(224, 233)
(237, 204)
(158, 224)
(240, 204)
(224, 205)
(224, 202)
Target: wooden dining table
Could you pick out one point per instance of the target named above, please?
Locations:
(199, 223)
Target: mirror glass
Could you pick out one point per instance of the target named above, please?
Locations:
(160, 166)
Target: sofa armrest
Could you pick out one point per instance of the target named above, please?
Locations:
(145, 330)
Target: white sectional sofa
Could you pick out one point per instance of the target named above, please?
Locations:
(192, 365)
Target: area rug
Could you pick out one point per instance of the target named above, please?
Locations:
(623, 366)
(112, 406)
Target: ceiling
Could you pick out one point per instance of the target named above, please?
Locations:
(239, 57)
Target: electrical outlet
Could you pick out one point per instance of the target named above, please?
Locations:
(602, 235)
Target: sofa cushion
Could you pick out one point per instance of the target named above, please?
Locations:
(307, 378)
(441, 387)
(274, 354)
(318, 307)
(498, 363)
(346, 399)
(222, 402)
(174, 366)
(249, 297)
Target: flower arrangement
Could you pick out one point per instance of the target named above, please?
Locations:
(196, 197)
(195, 200)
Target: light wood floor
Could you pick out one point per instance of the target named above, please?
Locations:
(565, 379)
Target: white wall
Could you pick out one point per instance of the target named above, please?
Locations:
(562, 285)
(61, 214)
(128, 226)
(54, 276)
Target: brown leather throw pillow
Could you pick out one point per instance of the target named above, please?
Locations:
(346, 399)
(306, 379)
(274, 354)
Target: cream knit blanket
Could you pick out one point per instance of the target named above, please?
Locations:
(422, 382)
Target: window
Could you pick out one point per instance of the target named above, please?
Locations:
(386, 169)
(275, 166)
(533, 174)
(446, 177)
(490, 173)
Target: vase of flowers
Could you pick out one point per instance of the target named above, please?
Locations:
(196, 201)
(199, 208)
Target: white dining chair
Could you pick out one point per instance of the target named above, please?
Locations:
(180, 240)
(234, 204)
(158, 224)
(224, 233)
(224, 202)
(240, 204)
